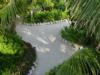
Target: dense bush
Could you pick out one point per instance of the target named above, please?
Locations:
(78, 35)
(45, 16)
(60, 6)
(45, 4)
(83, 62)
(45, 11)
(13, 54)
(10, 44)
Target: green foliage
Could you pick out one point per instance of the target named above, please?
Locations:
(60, 5)
(10, 50)
(45, 11)
(3, 3)
(45, 16)
(13, 55)
(73, 35)
(78, 35)
(83, 62)
(86, 14)
(61, 15)
(9, 11)
(10, 44)
(54, 70)
(6, 72)
(45, 4)
(85, 30)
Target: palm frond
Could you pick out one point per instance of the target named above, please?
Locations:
(84, 62)
(8, 13)
(86, 13)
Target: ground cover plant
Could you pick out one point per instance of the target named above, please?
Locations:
(14, 52)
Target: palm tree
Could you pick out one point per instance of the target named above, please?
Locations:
(8, 12)
(86, 13)
(83, 62)
(83, 14)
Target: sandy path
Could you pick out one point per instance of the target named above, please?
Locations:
(51, 49)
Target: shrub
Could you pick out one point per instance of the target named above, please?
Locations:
(73, 35)
(27, 18)
(10, 44)
(45, 16)
(41, 17)
(13, 54)
(60, 6)
(78, 36)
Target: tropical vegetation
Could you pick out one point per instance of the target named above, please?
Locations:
(84, 30)
(45, 11)
(14, 52)
(83, 62)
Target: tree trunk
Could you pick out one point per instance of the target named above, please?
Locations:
(13, 26)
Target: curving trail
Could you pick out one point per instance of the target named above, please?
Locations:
(51, 49)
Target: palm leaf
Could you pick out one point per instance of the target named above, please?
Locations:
(84, 62)
(8, 13)
(86, 13)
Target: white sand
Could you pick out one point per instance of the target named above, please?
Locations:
(51, 49)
